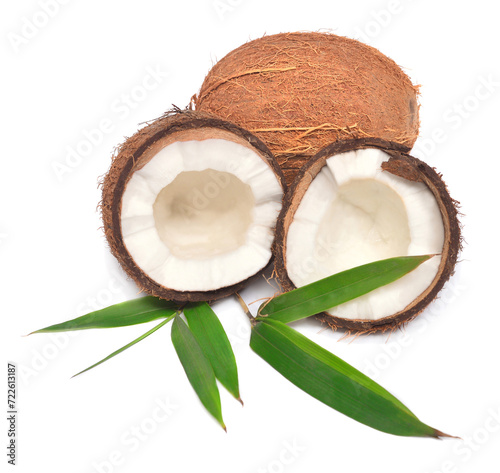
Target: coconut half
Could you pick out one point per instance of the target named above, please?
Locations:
(190, 205)
(362, 201)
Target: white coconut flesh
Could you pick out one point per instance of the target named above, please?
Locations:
(355, 213)
(200, 215)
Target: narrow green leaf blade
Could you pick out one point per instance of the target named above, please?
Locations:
(136, 311)
(333, 381)
(339, 288)
(128, 345)
(197, 367)
(210, 335)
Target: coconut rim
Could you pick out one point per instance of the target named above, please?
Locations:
(137, 151)
(400, 164)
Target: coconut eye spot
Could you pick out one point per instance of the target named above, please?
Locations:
(366, 221)
(201, 214)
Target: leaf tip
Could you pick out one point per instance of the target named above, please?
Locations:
(81, 372)
(441, 435)
(40, 330)
(240, 400)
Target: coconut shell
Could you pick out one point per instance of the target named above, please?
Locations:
(400, 164)
(134, 153)
(299, 92)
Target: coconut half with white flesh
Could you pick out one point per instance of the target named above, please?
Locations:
(362, 201)
(190, 206)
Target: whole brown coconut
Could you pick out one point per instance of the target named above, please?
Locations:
(374, 182)
(299, 92)
(182, 200)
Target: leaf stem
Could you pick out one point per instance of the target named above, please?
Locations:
(246, 309)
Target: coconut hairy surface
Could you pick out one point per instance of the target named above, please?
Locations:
(360, 201)
(299, 92)
(189, 206)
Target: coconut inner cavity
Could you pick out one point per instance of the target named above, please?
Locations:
(354, 213)
(366, 221)
(200, 215)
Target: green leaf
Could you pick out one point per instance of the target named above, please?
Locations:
(136, 311)
(333, 381)
(142, 337)
(339, 288)
(213, 340)
(197, 367)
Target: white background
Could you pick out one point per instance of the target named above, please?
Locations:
(62, 78)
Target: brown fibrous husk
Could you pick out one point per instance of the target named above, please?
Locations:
(299, 92)
(134, 153)
(400, 164)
